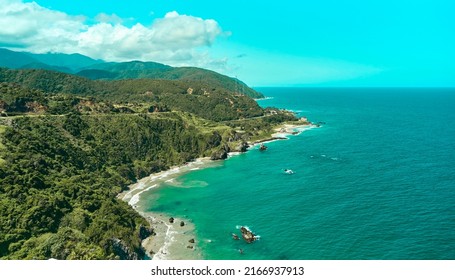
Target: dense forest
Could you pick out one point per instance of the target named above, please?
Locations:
(70, 145)
(210, 102)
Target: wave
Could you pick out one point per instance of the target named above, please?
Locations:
(135, 199)
(163, 252)
(265, 98)
(140, 186)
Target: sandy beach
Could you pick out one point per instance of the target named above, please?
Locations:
(171, 240)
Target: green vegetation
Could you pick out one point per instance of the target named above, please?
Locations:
(214, 103)
(61, 176)
(97, 69)
(70, 145)
(2, 147)
(151, 70)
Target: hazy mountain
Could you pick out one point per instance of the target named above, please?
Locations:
(51, 61)
(15, 60)
(72, 61)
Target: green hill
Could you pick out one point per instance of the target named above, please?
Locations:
(99, 70)
(151, 70)
(207, 101)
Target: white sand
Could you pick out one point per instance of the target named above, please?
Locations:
(171, 240)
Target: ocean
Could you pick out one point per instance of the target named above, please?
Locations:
(375, 181)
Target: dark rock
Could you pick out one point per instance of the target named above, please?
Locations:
(144, 232)
(247, 235)
(123, 251)
(227, 148)
(189, 247)
(235, 236)
(191, 240)
(171, 220)
(215, 139)
(182, 223)
(220, 154)
(242, 147)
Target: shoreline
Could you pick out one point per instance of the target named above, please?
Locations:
(170, 240)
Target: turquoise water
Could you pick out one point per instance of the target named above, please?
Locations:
(377, 181)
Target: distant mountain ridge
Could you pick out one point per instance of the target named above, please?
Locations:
(68, 63)
(100, 70)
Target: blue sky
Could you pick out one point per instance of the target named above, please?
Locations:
(264, 43)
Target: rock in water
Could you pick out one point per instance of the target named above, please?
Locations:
(182, 223)
(191, 240)
(235, 236)
(171, 220)
(247, 235)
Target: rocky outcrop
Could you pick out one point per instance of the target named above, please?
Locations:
(124, 252)
(234, 136)
(171, 220)
(221, 153)
(248, 235)
(182, 223)
(191, 240)
(144, 232)
(215, 139)
(242, 147)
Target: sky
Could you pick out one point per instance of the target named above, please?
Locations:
(264, 43)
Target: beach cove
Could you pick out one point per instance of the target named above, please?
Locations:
(174, 237)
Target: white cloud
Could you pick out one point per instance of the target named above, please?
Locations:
(174, 39)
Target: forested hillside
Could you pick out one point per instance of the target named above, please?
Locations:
(141, 70)
(70, 145)
(60, 176)
(207, 101)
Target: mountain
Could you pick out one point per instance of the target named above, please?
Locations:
(68, 63)
(129, 66)
(15, 60)
(72, 61)
(99, 70)
(152, 70)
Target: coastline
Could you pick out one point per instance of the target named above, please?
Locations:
(170, 240)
